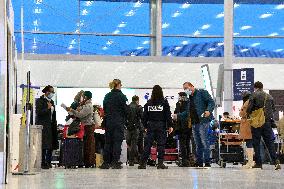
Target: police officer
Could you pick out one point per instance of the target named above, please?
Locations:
(115, 108)
(156, 119)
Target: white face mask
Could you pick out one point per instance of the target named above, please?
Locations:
(81, 99)
(50, 96)
(188, 92)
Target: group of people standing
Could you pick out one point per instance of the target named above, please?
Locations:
(192, 117)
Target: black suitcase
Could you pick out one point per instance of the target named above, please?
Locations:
(72, 152)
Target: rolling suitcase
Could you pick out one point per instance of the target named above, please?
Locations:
(72, 152)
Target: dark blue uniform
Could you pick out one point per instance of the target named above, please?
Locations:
(115, 108)
(156, 119)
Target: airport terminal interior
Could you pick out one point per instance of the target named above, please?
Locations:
(141, 94)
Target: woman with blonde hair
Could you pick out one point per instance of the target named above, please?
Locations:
(115, 108)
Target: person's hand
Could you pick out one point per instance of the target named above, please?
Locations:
(68, 109)
(49, 105)
(207, 114)
(171, 130)
(175, 117)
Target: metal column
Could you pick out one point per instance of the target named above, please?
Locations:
(228, 54)
(156, 27)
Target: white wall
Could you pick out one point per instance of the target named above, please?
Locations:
(137, 75)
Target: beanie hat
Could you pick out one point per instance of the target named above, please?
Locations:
(88, 94)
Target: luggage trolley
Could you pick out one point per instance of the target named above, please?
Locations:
(230, 148)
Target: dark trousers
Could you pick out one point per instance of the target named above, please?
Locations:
(156, 131)
(140, 142)
(89, 146)
(46, 157)
(114, 135)
(185, 143)
(132, 140)
(267, 134)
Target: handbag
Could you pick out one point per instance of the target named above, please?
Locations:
(257, 117)
(74, 127)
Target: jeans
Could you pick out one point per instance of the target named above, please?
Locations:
(249, 143)
(267, 134)
(201, 139)
(185, 137)
(46, 157)
(156, 131)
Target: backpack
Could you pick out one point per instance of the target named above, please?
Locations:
(257, 117)
(132, 117)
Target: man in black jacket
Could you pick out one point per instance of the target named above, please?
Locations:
(260, 99)
(135, 113)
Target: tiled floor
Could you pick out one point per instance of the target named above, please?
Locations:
(232, 177)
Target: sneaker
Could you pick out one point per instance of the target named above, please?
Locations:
(131, 164)
(277, 165)
(207, 165)
(105, 166)
(257, 166)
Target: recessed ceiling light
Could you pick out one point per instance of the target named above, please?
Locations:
(169, 54)
(165, 25)
(279, 7)
(71, 47)
(267, 15)
(220, 15)
(176, 14)
(185, 6)
(244, 50)
(278, 50)
(67, 53)
(137, 4)
(246, 27)
(273, 34)
(205, 26)
(130, 13)
(116, 31)
(255, 44)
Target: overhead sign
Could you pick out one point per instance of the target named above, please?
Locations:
(243, 80)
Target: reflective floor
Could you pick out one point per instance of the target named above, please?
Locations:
(232, 177)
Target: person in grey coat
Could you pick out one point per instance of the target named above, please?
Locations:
(85, 113)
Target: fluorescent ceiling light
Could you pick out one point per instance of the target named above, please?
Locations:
(145, 42)
(109, 42)
(116, 31)
(169, 54)
(211, 49)
(122, 25)
(89, 3)
(236, 5)
(205, 26)
(130, 13)
(77, 31)
(36, 23)
(255, 44)
(185, 42)
(246, 27)
(244, 50)
(201, 55)
(138, 48)
(165, 25)
(178, 48)
(36, 29)
(220, 44)
(278, 50)
(221, 15)
(137, 4)
(267, 15)
(73, 42)
(185, 6)
(38, 2)
(34, 46)
(37, 10)
(71, 47)
(236, 34)
(105, 48)
(67, 53)
(279, 7)
(273, 34)
(85, 12)
(176, 14)
(196, 33)
(34, 42)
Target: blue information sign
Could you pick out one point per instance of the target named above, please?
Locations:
(243, 80)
